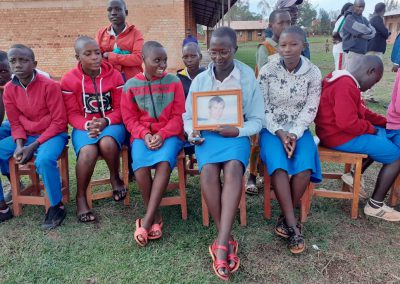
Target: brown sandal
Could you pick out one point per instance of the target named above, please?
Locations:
(297, 243)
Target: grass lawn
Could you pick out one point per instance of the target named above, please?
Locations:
(362, 250)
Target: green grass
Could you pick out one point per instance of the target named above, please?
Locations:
(362, 250)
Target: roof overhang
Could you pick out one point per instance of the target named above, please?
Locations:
(208, 12)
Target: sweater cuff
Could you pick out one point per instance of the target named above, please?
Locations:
(108, 120)
(86, 125)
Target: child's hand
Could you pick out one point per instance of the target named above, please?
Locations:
(18, 153)
(26, 153)
(156, 142)
(395, 68)
(147, 140)
(227, 131)
(105, 55)
(292, 144)
(100, 123)
(195, 138)
(286, 141)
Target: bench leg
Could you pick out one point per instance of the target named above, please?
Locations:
(356, 189)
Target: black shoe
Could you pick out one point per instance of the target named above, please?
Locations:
(6, 216)
(54, 217)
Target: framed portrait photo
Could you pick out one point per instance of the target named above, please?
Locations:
(216, 108)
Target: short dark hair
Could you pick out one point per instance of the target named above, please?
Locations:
(28, 49)
(122, 2)
(149, 45)
(274, 13)
(380, 7)
(193, 44)
(294, 30)
(3, 56)
(81, 41)
(226, 31)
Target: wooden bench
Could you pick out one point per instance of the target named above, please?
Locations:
(32, 194)
(348, 159)
(91, 196)
(395, 193)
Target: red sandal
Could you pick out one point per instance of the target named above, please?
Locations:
(140, 231)
(233, 256)
(219, 263)
(155, 228)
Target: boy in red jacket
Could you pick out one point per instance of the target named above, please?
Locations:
(152, 105)
(38, 121)
(344, 123)
(92, 94)
(121, 43)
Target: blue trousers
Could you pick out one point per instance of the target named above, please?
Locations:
(5, 131)
(384, 147)
(46, 156)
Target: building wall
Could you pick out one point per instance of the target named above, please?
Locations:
(51, 27)
(393, 24)
(250, 35)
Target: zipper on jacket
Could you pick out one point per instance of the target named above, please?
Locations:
(97, 97)
(152, 102)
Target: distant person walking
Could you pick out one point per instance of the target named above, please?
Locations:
(337, 35)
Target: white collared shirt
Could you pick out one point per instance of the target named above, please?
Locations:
(229, 83)
(112, 32)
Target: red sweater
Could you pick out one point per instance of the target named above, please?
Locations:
(82, 95)
(37, 109)
(131, 40)
(154, 107)
(342, 114)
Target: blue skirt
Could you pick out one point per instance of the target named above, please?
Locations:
(81, 138)
(305, 156)
(218, 149)
(144, 157)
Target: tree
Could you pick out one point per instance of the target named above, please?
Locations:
(391, 4)
(307, 14)
(265, 7)
(325, 22)
(241, 12)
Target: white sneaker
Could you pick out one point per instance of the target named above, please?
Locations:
(385, 212)
(349, 179)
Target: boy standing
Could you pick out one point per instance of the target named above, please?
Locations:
(38, 121)
(344, 123)
(121, 43)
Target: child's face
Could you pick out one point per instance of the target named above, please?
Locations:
(294, 13)
(222, 51)
(358, 7)
(281, 22)
(290, 47)
(369, 79)
(5, 72)
(216, 110)
(21, 63)
(90, 57)
(191, 57)
(116, 12)
(155, 62)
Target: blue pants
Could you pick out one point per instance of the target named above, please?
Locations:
(46, 156)
(5, 131)
(383, 147)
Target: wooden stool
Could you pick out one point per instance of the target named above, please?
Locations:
(242, 208)
(180, 185)
(348, 159)
(109, 193)
(32, 193)
(270, 194)
(395, 193)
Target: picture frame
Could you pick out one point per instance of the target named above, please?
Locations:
(216, 108)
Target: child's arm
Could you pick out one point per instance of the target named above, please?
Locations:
(187, 115)
(253, 111)
(56, 107)
(174, 125)
(135, 56)
(345, 109)
(261, 56)
(270, 121)
(131, 116)
(13, 114)
(115, 117)
(74, 112)
(355, 28)
(371, 35)
(310, 109)
(374, 118)
(2, 111)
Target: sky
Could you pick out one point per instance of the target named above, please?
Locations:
(328, 5)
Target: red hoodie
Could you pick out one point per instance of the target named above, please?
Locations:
(342, 114)
(154, 107)
(82, 95)
(37, 109)
(130, 40)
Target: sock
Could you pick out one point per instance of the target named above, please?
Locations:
(375, 204)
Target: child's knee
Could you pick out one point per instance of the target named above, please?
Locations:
(304, 174)
(44, 162)
(108, 144)
(88, 154)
